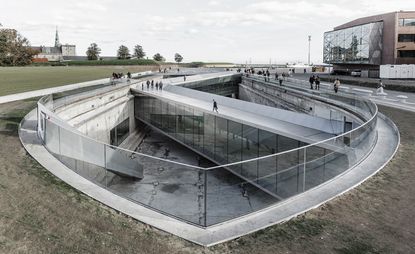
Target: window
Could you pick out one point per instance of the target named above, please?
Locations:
(406, 38)
(406, 22)
(406, 53)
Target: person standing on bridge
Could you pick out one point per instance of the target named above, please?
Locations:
(215, 106)
(317, 81)
(379, 90)
(148, 84)
(161, 85)
(280, 79)
(311, 80)
(152, 84)
(336, 85)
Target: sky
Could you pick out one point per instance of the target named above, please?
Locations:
(238, 31)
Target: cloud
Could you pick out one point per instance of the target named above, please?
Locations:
(226, 30)
(213, 3)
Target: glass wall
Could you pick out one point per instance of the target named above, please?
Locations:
(120, 132)
(360, 44)
(219, 139)
(205, 195)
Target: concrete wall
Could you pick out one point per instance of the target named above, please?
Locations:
(279, 97)
(99, 126)
(95, 116)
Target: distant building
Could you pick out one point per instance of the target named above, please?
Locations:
(55, 53)
(366, 43)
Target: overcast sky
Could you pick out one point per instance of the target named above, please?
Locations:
(225, 30)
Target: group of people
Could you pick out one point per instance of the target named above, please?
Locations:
(117, 75)
(120, 75)
(314, 82)
(164, 70)
(158, 85)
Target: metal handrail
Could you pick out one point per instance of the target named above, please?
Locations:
(229, 164)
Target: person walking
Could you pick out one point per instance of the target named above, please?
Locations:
(215, 106)
(380, 88)
(280, 79)
(336, 85)
(142, 86)
(152, 84)
(161, 85)
(276, 76)
(157, 85)
(317, 81)
(311, 80)
(148, 84)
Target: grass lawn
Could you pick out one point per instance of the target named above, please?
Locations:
(23, 79)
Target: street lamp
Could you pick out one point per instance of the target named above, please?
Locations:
(309, 47)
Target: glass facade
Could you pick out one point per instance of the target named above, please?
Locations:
(223, 141)
(356, 45)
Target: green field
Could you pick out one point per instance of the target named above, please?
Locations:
(23, 79)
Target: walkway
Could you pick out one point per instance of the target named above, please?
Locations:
(390, 100)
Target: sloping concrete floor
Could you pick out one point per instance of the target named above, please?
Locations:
(179, 191)
(388, 141)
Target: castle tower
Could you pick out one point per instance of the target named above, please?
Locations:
(57, 43)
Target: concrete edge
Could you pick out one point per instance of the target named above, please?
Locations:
(390, 122)
(203, 236)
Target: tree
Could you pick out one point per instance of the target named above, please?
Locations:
(159, 57)
(139, 52)
(123, 52)
(178, 58)
(15, 49)
(93, 52)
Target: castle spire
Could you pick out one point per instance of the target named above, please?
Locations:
(57, 43)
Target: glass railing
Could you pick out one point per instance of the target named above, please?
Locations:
(206, 196)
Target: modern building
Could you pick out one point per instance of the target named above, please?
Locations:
(164, 157)
(366, 43)
(55, 53)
